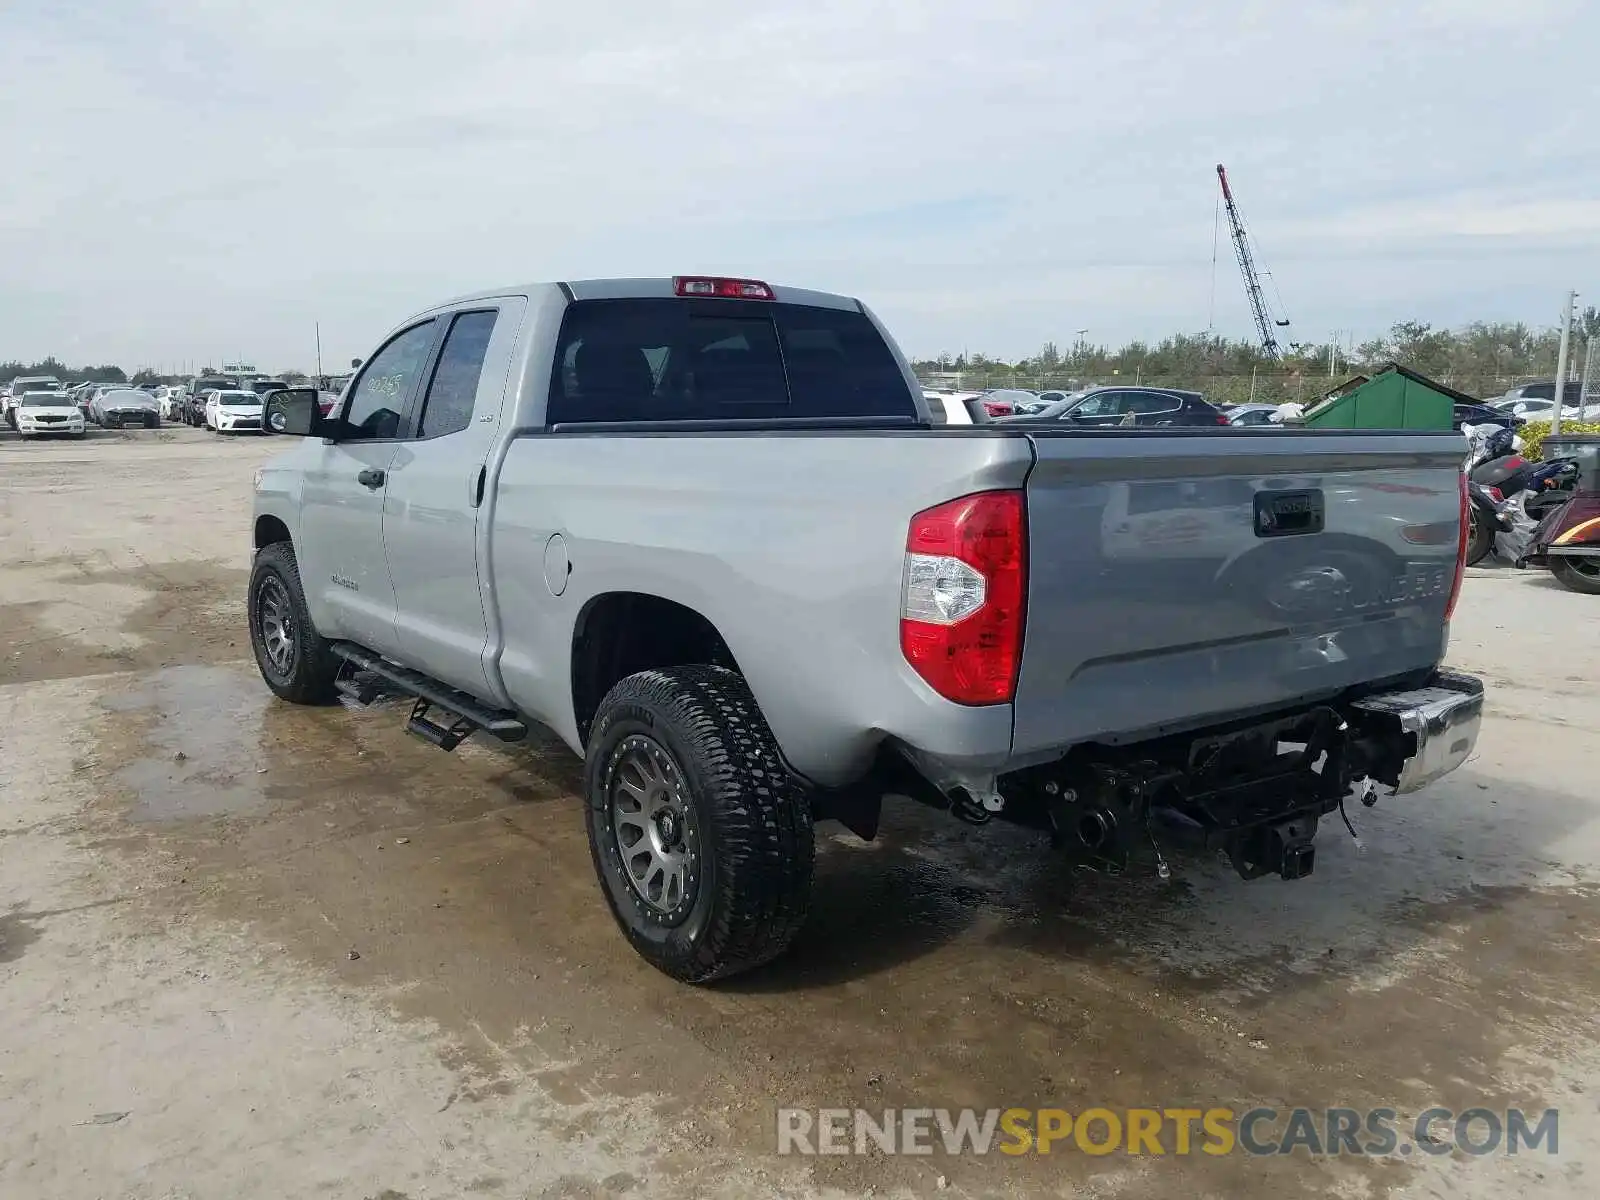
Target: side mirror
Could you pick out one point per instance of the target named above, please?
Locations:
(292, 412)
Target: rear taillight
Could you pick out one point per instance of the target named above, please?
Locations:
(724, 289)
(1461, 551)
(1496, 494)
(998, 408)
(962, 597)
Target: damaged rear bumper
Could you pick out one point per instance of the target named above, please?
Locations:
(1254, 788)
(1440, 721)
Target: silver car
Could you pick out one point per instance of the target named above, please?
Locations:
(120, 408)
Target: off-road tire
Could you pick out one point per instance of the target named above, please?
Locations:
(1570, 577)
(751, 882)
(313, 668)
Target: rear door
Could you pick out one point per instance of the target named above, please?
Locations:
(343, 567)
(1181, 576)
(1154, 408)
(433, 530)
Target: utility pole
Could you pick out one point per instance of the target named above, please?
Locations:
(1586, 388)
(318, 325)
(1561, 364)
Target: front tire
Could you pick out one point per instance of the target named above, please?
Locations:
(702, 841)
(1577, 574)
(293, 657)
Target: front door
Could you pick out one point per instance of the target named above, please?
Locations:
(343, 567)
(433, 530)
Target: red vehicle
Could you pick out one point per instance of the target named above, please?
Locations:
(1568, 539)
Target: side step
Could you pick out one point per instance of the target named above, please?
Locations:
(468, 715)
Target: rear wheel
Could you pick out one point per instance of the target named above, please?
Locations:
(702, 842)
(1480, 537)
(1577, 574)
(293, 657)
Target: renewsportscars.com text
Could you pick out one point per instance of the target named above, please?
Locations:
(1376, 1132)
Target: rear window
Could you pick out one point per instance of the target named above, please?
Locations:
(708, 360)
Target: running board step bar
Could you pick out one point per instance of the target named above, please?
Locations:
(468, 715)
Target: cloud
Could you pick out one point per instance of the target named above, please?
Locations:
(193, 176)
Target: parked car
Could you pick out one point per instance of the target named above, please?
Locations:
(1003, 402)
(1118, 405)
(21, 386)
(119, 407)
(1544, 389)
(194, 407)
(690, 614)
(1250, 414)
(39, 414)
(956, 408)
(233, 412)
(1483, 414)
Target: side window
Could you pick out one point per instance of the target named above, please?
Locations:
(377, 400)
(1099, 405)
(1150, 402)
(454, 387)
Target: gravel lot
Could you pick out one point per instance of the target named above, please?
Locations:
(251, 951)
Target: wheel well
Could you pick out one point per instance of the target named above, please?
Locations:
(270, 530)
(621, 633)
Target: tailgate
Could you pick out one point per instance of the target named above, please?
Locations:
(1176, 579)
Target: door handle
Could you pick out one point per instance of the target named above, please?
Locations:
(371, 477)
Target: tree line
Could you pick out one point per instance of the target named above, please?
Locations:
(1481, 359)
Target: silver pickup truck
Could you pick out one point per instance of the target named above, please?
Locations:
(705, 530)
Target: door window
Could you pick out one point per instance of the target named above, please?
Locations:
(454, 388)
(1146, 403)
(376, 405)
(1101, 404)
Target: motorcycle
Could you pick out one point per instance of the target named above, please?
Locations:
(1568, 537)
(1487, 514)
(1508, 496)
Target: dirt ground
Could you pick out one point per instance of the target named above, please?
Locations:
(248, 950)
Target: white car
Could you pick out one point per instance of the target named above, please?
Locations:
(947, 408)
(40, 413)
(233, 412)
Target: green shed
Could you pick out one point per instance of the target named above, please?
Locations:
(1394, 398)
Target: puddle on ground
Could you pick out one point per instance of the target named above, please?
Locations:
(206, 754)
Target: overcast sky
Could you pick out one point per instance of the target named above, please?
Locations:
(194, 179)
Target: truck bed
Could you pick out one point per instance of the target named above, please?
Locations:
(1152, 599)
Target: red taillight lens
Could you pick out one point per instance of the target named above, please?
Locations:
(1461, 551)
(997, 408)
(1496, 494)
(723, 289)
(963, 596)
(1222, 420)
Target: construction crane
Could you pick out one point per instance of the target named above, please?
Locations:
(1265, 323)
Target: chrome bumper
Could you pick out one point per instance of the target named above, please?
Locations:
(1443, 718)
